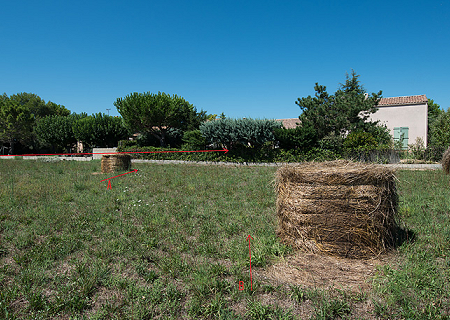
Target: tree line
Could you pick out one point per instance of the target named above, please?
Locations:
(327, 121)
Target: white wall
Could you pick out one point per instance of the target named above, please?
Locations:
(415, 117)
(102, 150)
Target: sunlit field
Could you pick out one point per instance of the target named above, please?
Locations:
(170, 242)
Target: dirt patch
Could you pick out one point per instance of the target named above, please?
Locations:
(322, 271)
(110, 299)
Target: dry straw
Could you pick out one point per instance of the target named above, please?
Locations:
(446, 161)
(115, 162)
(339, 207)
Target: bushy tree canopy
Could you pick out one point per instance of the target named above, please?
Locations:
(434, 110)
(16, 122)
(157, 113)
(19, 113)
(100, 130)
(347, 110)
(37, 106)
(56, 131)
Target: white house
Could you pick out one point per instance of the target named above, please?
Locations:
(403, 116)
(407, 116)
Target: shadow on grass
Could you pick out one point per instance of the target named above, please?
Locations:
(402, 235)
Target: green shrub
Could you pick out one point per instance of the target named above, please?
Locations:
(434, 153)
(126, 143)
(360, 140)
(331, 142)
(193, 140)
(440, 131)
(302, 137)
(418, 149)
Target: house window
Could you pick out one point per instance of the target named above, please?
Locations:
(401, 135)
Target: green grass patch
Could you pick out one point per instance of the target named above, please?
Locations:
(170, 242)
(418, 287)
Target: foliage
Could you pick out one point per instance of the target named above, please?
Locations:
(332, 141)
(417, 149)
(157, 113)
(440, 130)
(37, 106)
(100, 130)
(382, 135)
(56, 131)
(347, 110)
(239, 154)
(193, 140)
(360, 140)
(126, 143)
(21, 111)
(433, 153)
(173, 139)
(434, 110)
(248, 132)
(16, 122)
(301, 137)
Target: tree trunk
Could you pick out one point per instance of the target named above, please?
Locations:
(163, 139)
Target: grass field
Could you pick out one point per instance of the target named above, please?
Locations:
(170, 242)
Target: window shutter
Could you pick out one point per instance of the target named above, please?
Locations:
(404, 131)
(396, 133)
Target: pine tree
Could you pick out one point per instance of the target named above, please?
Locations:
(347, 110)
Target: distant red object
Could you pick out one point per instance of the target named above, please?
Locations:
(135, 170)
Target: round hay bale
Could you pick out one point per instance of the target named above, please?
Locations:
(115, 162)
(338, 207)
(446, 161)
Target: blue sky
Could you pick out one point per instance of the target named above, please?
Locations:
(243, 58)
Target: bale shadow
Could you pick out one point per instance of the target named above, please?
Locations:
(402, 235)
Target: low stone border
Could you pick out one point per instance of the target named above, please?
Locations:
(279, 164)
(249, 164)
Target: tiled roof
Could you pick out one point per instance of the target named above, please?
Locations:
(290, 123)
(395, 101)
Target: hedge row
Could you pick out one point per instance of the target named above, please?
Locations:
(267, 154)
